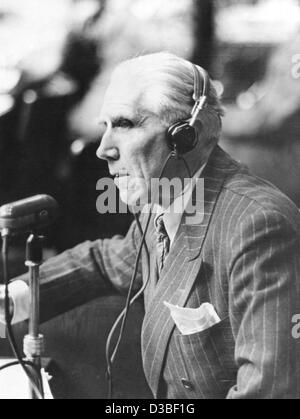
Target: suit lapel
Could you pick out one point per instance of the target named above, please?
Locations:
(180, 270)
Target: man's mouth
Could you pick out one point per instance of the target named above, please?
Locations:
(120, 175)
(122, 180)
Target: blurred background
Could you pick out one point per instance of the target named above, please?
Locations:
(56, 58)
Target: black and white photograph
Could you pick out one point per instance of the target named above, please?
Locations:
(149, 202)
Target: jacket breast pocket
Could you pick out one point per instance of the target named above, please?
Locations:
(208, 358)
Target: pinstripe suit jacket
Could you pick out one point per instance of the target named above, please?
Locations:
(243, 258)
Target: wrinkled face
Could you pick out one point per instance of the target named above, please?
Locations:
(134, 143)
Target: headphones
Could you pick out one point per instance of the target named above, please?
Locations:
(182, 135)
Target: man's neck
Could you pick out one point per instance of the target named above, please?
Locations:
(194, 160)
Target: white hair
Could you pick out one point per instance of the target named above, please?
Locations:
(167, 83)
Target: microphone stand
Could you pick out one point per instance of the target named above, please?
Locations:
(34, 344)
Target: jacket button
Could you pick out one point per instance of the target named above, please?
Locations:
(186, 384)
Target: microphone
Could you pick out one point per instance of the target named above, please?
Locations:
(30, 213)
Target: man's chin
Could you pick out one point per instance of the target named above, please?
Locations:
(135, 201)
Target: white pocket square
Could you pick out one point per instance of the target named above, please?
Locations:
(193, 320)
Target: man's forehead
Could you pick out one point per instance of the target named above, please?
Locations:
(123, 93)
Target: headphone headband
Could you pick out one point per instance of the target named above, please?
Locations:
(201, 89)
(201, 82)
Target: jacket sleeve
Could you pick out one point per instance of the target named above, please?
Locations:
(88, 271)
(264, 296)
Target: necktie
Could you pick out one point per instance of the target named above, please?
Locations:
(163, 243)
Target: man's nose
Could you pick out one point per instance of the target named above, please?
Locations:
(108, 149)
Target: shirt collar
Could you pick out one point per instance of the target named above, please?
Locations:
(172, 216)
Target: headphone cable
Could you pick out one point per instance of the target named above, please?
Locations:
(124, 314)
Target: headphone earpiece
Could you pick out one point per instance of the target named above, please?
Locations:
(182, 136)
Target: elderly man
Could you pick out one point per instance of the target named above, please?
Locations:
(224, 287)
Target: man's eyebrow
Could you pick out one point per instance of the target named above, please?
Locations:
(138, 117)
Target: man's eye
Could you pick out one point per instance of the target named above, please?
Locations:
(124, 123)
